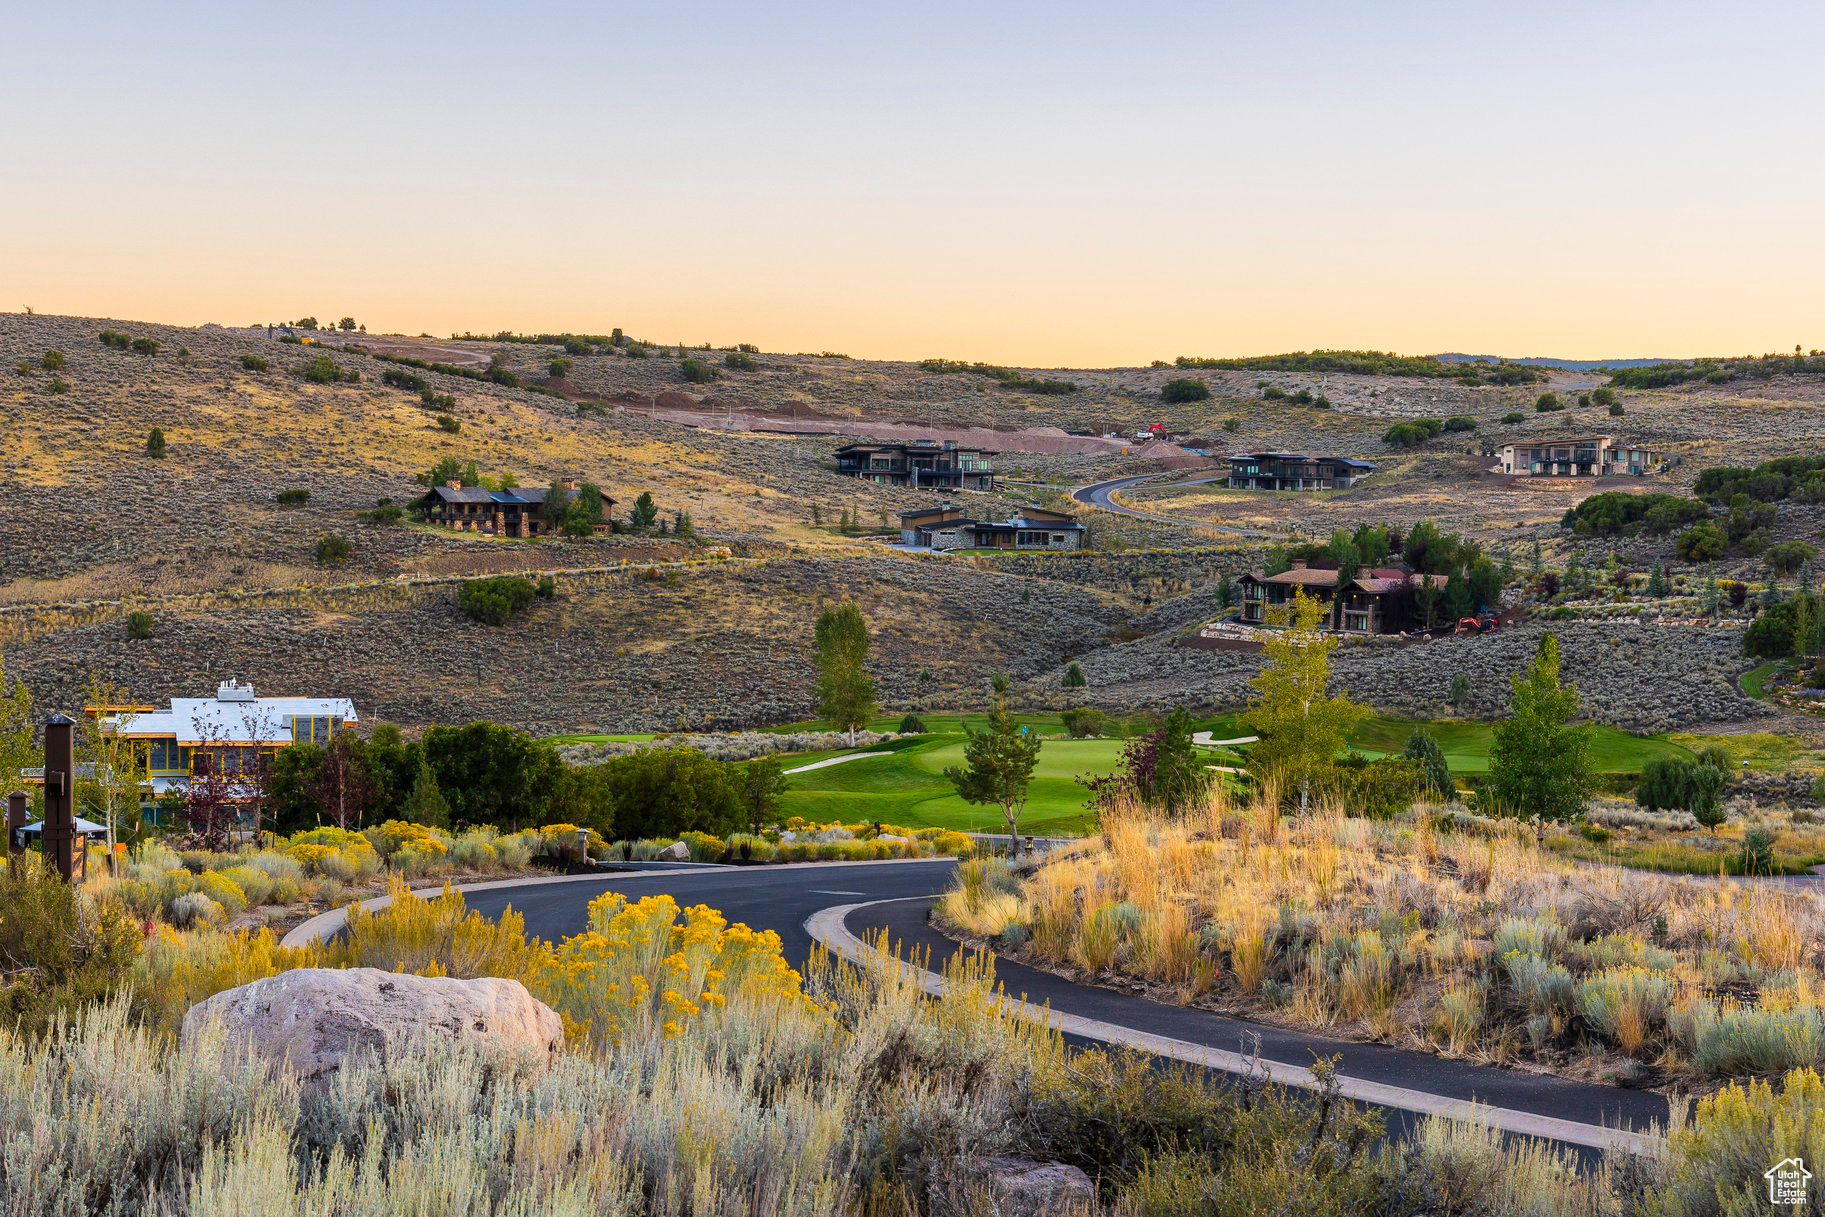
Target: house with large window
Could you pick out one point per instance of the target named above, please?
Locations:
(924, 464)
(1587, 456)
(227, 732)
(1385, 600)
(1295, 471)
(947, 527)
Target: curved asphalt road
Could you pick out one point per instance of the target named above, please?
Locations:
(1102, 495)
(782, 899)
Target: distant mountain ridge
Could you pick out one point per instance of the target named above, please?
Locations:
(1569, 365)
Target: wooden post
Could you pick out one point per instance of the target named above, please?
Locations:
(60, 794)
(15, 820)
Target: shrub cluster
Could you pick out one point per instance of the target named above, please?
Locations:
(494, 601)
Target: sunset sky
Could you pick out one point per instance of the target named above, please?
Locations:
(1041, 184)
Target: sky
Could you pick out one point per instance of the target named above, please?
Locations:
(1045, 185)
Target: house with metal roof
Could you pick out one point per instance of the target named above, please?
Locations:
(227, 732)
(514, 512)
(1295, 471)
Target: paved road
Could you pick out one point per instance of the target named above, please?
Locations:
(1102, 495)
(783, 898)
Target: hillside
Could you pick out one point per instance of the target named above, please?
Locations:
(91, 527)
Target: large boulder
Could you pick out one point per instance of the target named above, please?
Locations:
(677, 851)
(313, 1019)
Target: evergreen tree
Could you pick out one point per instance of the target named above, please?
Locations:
(1226, 591)
(1657, 581)
(1539, 762)
(1807, 576)
(426, 804)
(1423, 748)
(645, 511)
(1074, 676)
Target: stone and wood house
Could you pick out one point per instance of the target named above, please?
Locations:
(1033, 528)
(1382, 600)
(516, 512)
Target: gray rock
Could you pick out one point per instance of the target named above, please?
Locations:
(313, 1019)
(677, 851)
(1023, 1188)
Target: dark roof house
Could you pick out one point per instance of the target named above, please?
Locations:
(516, 512)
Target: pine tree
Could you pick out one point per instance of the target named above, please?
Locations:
(426, 804)
(1423, 748)
(1074, 676)
(1539, 763)
(1657, 581)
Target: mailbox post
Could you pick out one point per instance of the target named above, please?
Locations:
(60, 794)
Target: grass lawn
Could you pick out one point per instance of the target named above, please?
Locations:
(1752, 680)
(1762, 749)
(1695, 854)
(908, 787)
(1466, 744)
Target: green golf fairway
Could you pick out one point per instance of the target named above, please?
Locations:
(1466, 744)
(908, 787)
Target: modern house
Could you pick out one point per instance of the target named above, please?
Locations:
(944, 527)
(1590, 456)
(1384, 600)
(517, 512)
(925, 464)
(947, 527)
(1295, 471)
(227, 732)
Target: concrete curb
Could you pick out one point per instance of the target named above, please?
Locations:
(829, 927)
(323, 925)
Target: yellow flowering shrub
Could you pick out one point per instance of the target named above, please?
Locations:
(223, 890)
(393, 836)
(309, 855)
(175, 971)
(338, 853)
(638, 969)
(438, 936)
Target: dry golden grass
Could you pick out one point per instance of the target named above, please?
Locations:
(1467, 939)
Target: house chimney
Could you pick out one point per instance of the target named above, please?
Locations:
(1297, 564)
(454, 484)
(570, 483)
